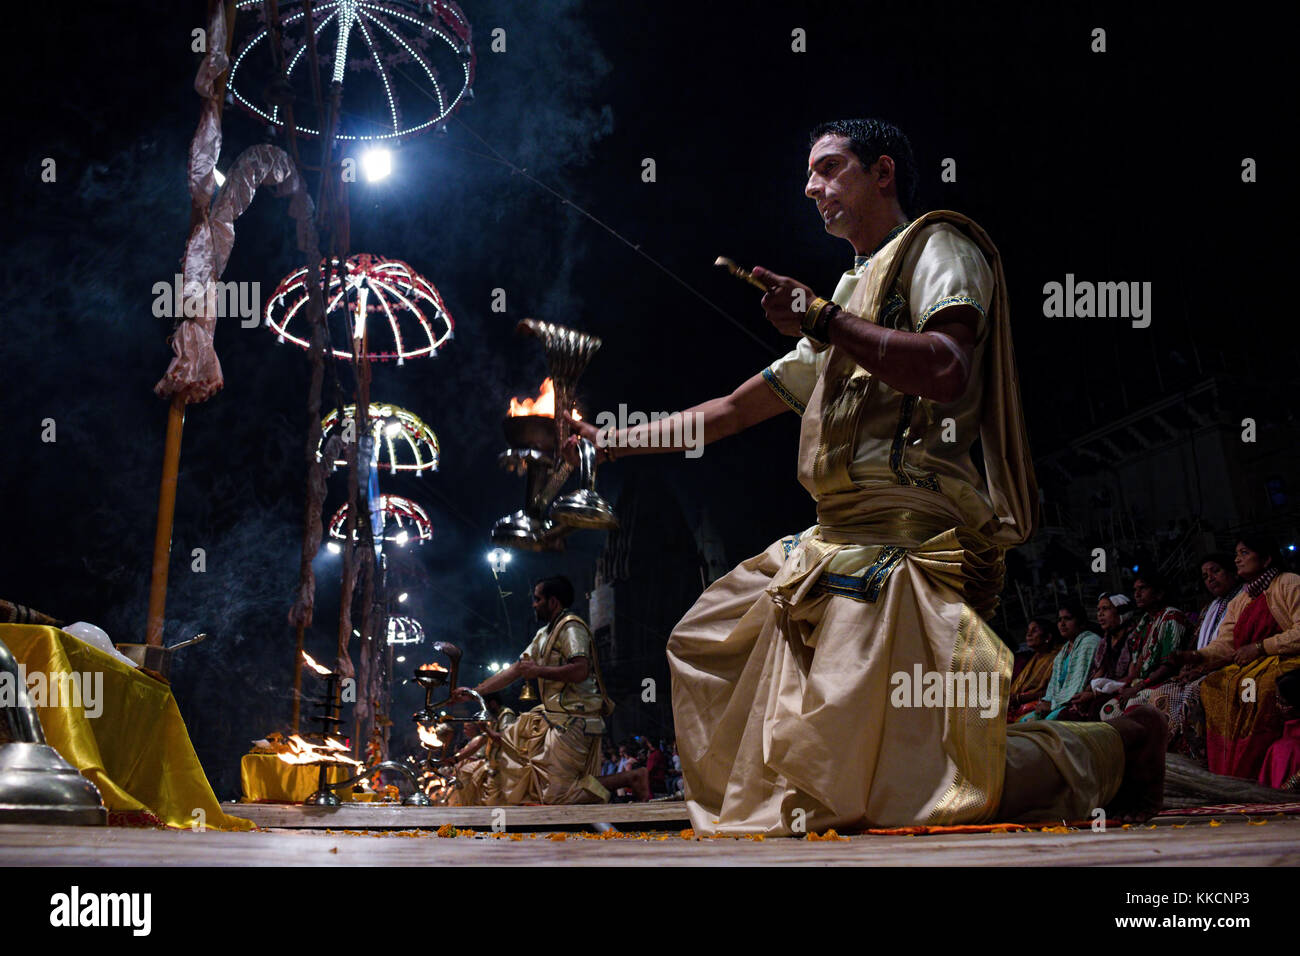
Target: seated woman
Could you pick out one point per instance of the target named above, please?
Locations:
(1112, 662)
(1072, 664)
(1171, 698)
(1157, 641)
(1258, 641)
(1030, 682)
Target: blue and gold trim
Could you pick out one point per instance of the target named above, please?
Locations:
(867, 585)
(788, 544)
(944, 303)
(894, 304)
(929, 481)
(783, 393)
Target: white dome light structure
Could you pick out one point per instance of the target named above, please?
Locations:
(403, 68)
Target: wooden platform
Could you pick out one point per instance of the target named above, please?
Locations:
(1272, 841)
(372, 816)
(1186, 785)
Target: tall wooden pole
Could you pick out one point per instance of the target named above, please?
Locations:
(297, 680)
(162, 541)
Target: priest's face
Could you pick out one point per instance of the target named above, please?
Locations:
(845, 192)
(544, 607)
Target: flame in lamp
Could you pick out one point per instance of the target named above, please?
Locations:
(543, 404)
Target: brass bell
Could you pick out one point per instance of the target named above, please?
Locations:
(528, 694)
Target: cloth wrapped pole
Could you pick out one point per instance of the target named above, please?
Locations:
(195, 371)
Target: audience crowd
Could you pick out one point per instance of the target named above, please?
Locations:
(1227, 677)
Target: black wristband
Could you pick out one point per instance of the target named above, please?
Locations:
(822, 327)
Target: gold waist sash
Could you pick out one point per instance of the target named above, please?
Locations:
(864, 534)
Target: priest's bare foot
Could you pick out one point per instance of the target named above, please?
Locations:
(641, 784)
(1144, 731)
(638, 781)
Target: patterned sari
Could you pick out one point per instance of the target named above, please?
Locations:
(1031, 682)
(1242, 718)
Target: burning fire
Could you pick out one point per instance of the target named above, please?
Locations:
(323, 671)
(432, 667)
(543, 404)
(432, 738)
(305, 752)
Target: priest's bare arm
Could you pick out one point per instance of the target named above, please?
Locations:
(571, 673)
(752, 402)
(934, 363)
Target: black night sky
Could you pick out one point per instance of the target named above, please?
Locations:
(1115, 166)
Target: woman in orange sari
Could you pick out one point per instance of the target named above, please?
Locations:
(1031, 680)
(1258, 641)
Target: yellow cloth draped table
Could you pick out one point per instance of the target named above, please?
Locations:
(266, 778)
(130, 741)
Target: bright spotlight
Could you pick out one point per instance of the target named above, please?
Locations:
(402, 538)
(401, 659)
(376, 163)
(392, 429)
(402, 596)
(332, 547)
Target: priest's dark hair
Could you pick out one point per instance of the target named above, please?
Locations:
(869, 139)
(558, 587)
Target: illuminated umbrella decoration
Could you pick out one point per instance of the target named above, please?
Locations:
(403, 68)
(405, 630)
(379, 299)
(404, 521)
(405, 443)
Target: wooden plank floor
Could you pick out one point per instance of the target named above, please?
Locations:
(1274, 842)
(362, 816)
(1186, 785)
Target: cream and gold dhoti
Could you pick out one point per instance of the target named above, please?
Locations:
(548, 758)
(793, 696)
(550, 754)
